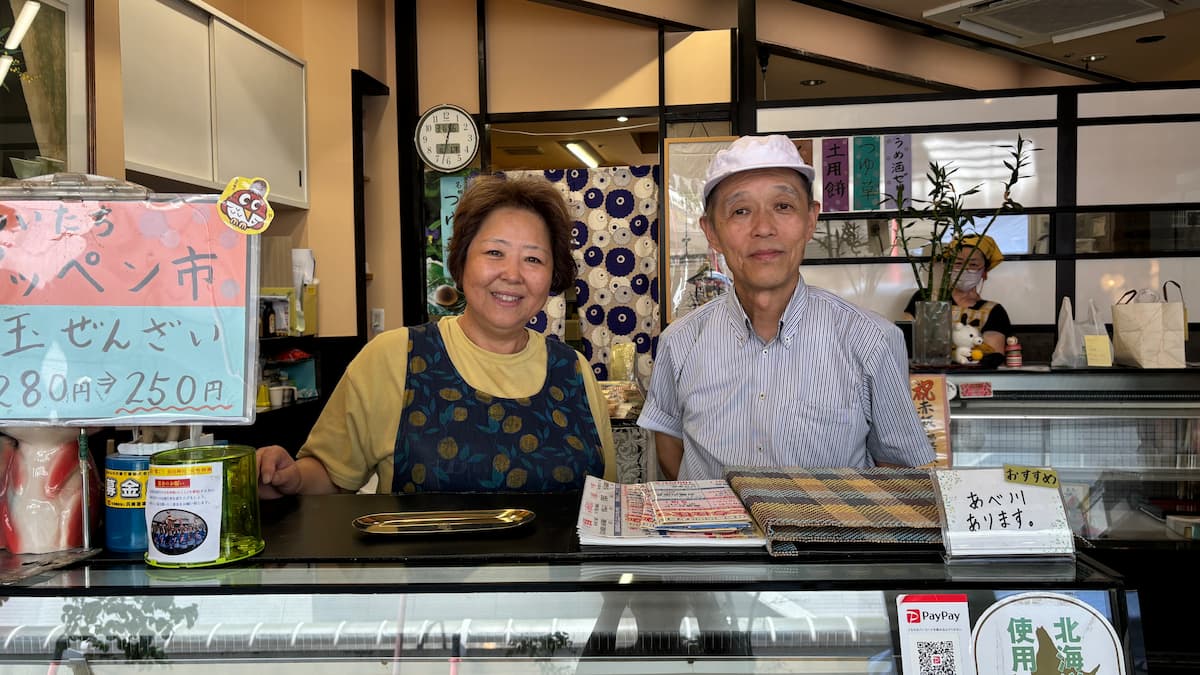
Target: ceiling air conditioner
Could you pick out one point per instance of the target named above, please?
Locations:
(1030, 22)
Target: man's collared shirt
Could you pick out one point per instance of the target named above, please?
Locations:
(830, 390)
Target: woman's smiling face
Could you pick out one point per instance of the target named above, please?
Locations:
(506, 278)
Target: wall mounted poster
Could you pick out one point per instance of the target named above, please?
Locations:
(131, 312)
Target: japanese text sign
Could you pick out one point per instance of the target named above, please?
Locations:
(1031, 475)
(983, 514)
(123, 311)
(935, 633)
(929, 398)
(1042, 632)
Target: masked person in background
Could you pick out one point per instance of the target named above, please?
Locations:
(977, 255)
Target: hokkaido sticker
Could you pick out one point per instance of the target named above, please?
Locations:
(1042, 632)
(243, 205)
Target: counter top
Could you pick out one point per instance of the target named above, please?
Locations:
(312, 545)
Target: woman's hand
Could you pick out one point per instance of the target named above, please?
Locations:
(278, 473)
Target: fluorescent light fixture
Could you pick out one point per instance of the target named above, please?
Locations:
(5, 64)
(1104, 28)
(21, 25)
(583, 152)
(622, 118)
(988, 32)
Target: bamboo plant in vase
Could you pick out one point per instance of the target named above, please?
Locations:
(931, 231)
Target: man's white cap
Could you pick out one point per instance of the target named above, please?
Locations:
(755, 152)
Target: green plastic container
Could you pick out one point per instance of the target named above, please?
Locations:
(202, 506)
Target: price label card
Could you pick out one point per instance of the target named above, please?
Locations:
(1098, 350)
(984, 514)
(975, 390)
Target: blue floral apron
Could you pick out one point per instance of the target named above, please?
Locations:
(455, 438)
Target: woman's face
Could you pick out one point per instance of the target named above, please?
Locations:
(506, 276)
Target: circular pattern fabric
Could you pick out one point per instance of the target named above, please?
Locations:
(619, 203)
(620, 262)
(622, 320)
(615, 237)
(577, 179)
(593, 197)
(579, 234)
(593, 256)
(639, 224)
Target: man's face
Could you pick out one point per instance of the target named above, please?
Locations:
(760, 220)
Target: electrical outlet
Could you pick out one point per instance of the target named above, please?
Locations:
(377, 320)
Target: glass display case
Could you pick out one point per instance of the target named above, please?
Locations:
(1126, 443)
(689, 612)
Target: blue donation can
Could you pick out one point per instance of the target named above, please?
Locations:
(125, 502)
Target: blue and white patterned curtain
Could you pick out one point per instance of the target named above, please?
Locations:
(615, 211)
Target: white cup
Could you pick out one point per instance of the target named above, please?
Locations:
(277, 397)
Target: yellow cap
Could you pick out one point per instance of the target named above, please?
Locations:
(985, 245)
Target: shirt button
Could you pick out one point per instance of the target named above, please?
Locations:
(764, 352)
(761, 396)
(760, 448)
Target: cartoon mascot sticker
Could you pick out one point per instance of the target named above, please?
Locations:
(243, 205)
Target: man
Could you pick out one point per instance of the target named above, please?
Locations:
(776, 373)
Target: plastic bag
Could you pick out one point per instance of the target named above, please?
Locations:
(1094, 326)
(1068, 351)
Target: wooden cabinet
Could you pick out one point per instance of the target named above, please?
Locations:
(206, 100)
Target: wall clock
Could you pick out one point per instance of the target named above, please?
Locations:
(446, 138)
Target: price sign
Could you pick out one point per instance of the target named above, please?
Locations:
(124, 311)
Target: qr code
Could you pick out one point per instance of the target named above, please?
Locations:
(936, 657)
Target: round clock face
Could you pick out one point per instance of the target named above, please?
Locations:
(447, 138)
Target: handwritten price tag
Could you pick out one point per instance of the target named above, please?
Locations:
(975, 390)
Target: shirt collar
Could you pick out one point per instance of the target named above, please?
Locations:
(789, 323)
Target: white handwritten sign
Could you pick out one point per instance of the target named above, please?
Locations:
(124, 311)
(984, 514)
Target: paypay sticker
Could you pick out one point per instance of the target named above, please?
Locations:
(935, 634)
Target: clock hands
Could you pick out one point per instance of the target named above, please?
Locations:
(446, 143)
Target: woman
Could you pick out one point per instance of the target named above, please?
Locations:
(471, 403)
(977, 255)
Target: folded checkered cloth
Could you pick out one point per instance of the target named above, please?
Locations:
(877, 505)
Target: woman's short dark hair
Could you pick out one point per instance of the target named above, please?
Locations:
(487, 193)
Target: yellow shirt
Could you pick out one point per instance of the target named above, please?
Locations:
(355, 435)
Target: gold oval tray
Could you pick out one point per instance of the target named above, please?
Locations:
(434, 522)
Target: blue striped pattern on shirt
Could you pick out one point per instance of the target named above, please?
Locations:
(830, 390)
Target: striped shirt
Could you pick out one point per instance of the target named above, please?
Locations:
(830, 390)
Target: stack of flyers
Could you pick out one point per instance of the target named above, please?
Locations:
(698, 505)
(624, 514)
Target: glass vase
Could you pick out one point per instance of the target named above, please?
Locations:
(931, 342)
